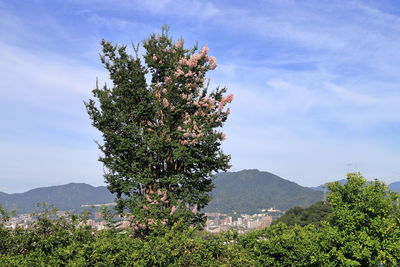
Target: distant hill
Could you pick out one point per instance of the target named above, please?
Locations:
(395, 186)
(246, 191)
(321, 187)
(64, 197)
(249, 191)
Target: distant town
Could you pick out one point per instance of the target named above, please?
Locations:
(216, 222)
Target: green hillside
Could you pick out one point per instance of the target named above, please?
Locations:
(249, 191)
(64, 197)
(246, 191)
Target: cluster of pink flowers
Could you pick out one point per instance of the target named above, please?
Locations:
(204, 51)
(212, 62)
(192, 132)
(135, 224)
(179, 72)
(179, 43)
(165, 103)
(187, 96)
(223, 136)
(173, 210)
(162, 195)
(205, 102)
(224, 101)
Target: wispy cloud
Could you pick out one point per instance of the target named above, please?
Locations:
(315, 84)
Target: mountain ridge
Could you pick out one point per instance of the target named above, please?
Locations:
(249, 191)
(245, 191)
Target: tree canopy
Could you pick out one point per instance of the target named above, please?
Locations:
(161, 129)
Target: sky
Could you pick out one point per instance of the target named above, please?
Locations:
(317, 93)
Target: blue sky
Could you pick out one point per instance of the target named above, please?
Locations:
(317, 92)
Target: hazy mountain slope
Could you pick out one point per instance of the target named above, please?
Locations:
(395, 186)
(64, 197)
(248, 191)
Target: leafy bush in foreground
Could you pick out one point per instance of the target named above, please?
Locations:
(363, 229)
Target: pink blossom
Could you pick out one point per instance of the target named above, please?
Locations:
(229, 98)
(193, 60)
(164, 90)
(183, 61)
(204, 50)
(179, 128)
(179, 43)
(212, 62)
(173, 210)
(148, 198)
(223, 136)
(145, 207)
(165, 102)
(154, 57)
(179, 72)
(167, 79)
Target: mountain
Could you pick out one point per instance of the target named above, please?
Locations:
(249, 191)
(322, 186)
(246, 191)
(64, 197)
(395, 186)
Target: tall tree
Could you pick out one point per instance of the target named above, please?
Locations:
(162, 135)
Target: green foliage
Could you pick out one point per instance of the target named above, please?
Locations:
(314, 214)
(161, 139)
(362, 229)
(365, 220)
